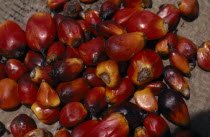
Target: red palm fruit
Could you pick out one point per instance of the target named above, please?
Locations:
(71, 53)
(72, 91)
(157, 87)
(137, 3)
(27, 89)
(92, 52)
(72, 114)
(91, 16)
(141, 132)
(108, 71)
(9, 97)
(90, 76)
(72, 9)
(147, 22)
(12, 44)
(125, 46)
(108, 8)
(70, 32)
(2, 71)
(63, 133)
(55, 4)
(180, 62)
(144, 67)
(55, 52)
(173, 108)
(83, 128)
(162, 46)
(203, 56)
(189, 9)
(47, 97)
(170, 14)
(156, 126)
(21, 125)
(33, 59)
(45, 115)
(187, 48)
(114, 125)
(40, 74)
(121, 93)
(130, 111)
(14, 69)
(95, 100)
(68, 69)
(86, 29)
(109, 28)
(176, 81)
(40, 31)
(146, 100)
(57, 19)
(39, 132)
(123, 15)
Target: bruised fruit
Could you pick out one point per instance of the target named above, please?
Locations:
(147, 22)
(21, 125)
(39, 132)
(137, 3)
(63, 133)
(72, 114)
(83, 128)
(13, 44)
(40, 31)
(9, 97)
(108, 71)
(72, 8)
(173, 108)
(141, 132)
(125, 46)
(33, 59)
(45, 115)
(14, 69)
(203, 56)
(114, 125)
(156, 126)
(55, 4)
(145, 67)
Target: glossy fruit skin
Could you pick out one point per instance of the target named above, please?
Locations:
(141, 132)
(62, 133)
(2, 129)
(189, 9)
(125, 46)
(91, 16)
(69, 119)
(114, 125)
(45, 115)
(33, 59)
(176, 81)
(39, 132)
(83, 128)
(55, 4)
(203, 56)
(57, 19)
(123, 15)
(90, 76)
(21, 125)
(72, 91)
(186, 47)
(55, 52)
(144, 67)
(130, 111)
(173, 108)
(170, 14)
(121, 93)
(156, 126)
(9, 97)
(40, 31)
(86, 29)
(27, 89)
(147, 22)
(137, 3)
(146, 100)
(71, 53)
(157, 87)
(12, 44)
(92, 52)
(2, 71)
(14, 69)
(72, 8)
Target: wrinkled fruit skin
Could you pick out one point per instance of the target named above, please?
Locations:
(12, 44)
(21, 125)
(203, 56)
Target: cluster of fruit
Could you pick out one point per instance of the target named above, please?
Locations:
(82, 68)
